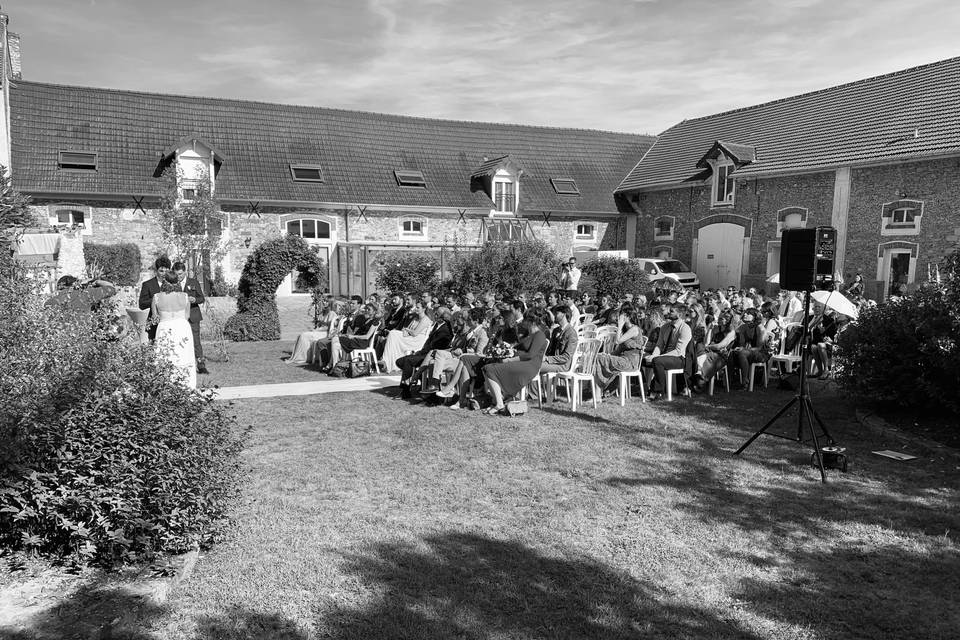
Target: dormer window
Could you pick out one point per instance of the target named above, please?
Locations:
(504, 195)
(722, 159)
(723, 183)
(500, 179)
(414, 179)
(306, 173)
(77, 160)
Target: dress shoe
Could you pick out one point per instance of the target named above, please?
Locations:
(405, 392)
(202, 368)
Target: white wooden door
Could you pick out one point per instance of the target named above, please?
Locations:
(719, 255)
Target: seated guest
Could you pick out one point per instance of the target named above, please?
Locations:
(507, 378)
(359, 335)
(626, 351)
(750, 345)
(671, 348)
(305, 348)
(394, 320)
(823, 333)
(606, 313)
(716, 348)
(441, 333)
(563, 342)
(440, 360)
(566, 298)
(587, 303)
(411, 338)
(348, 312)
(469, 367)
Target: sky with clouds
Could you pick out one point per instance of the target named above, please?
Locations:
(623, 65)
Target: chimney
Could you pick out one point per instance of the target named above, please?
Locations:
(13, 47)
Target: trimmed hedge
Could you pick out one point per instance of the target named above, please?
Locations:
(257, 315)
(120, 263)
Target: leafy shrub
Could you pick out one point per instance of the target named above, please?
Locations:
(258, 317)
(525, 266)
(104, 458)
(904, 352)
(615, 276)
(409, 271)
(118, 263)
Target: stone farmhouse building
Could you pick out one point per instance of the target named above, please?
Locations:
(358, 185)
(878, 159)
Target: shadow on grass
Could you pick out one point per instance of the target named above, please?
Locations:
(103, 610)
(868, 593)
(458, 585)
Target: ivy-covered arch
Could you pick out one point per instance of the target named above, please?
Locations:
(257, 315)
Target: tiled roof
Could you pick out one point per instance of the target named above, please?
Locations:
(907, 114)
(358, 151)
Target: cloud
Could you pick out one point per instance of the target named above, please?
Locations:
(630, 66)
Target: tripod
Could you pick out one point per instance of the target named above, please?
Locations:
(802, 399)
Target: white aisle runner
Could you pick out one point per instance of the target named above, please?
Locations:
(306, 388)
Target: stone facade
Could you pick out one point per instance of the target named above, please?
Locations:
(763, 202)
(112, 222)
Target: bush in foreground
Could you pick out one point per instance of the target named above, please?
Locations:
(118, 263)
(104, 459)
(906, 351)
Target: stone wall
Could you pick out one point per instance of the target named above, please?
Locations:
(936, 183)
(112, 222)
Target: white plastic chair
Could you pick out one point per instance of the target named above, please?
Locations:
(607, 335)
(583, 372)
(670, 374)
(551, 376)
(623, 387)
(722, 371)
(763, 368)
(792, 359)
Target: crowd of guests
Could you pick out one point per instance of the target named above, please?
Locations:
(477, 350)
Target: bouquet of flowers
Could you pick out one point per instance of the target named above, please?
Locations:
(501, 350)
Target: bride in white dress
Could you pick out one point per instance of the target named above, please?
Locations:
(174, 336)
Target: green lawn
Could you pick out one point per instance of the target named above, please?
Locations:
(370, 518)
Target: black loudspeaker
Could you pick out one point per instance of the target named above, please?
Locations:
(826, 256)
(798, 259)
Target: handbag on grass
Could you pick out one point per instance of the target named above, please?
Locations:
(358, 368)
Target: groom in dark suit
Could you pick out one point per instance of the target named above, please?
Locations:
(191, 287)
(151, 288)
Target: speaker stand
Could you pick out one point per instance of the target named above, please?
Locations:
(806, 414)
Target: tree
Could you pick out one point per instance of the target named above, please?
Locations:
(514, 267)
(615, 276)
(190, 228)
(409, 271)
(14, 206)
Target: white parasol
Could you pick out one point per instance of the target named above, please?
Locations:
(836, 301)
(774, 279)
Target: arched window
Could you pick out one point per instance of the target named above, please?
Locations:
(71, 216)
(413, 228)
(791, 218)
(901, 218)
(309, 228)
(663, 252)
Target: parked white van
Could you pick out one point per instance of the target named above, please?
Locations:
(660, 268)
